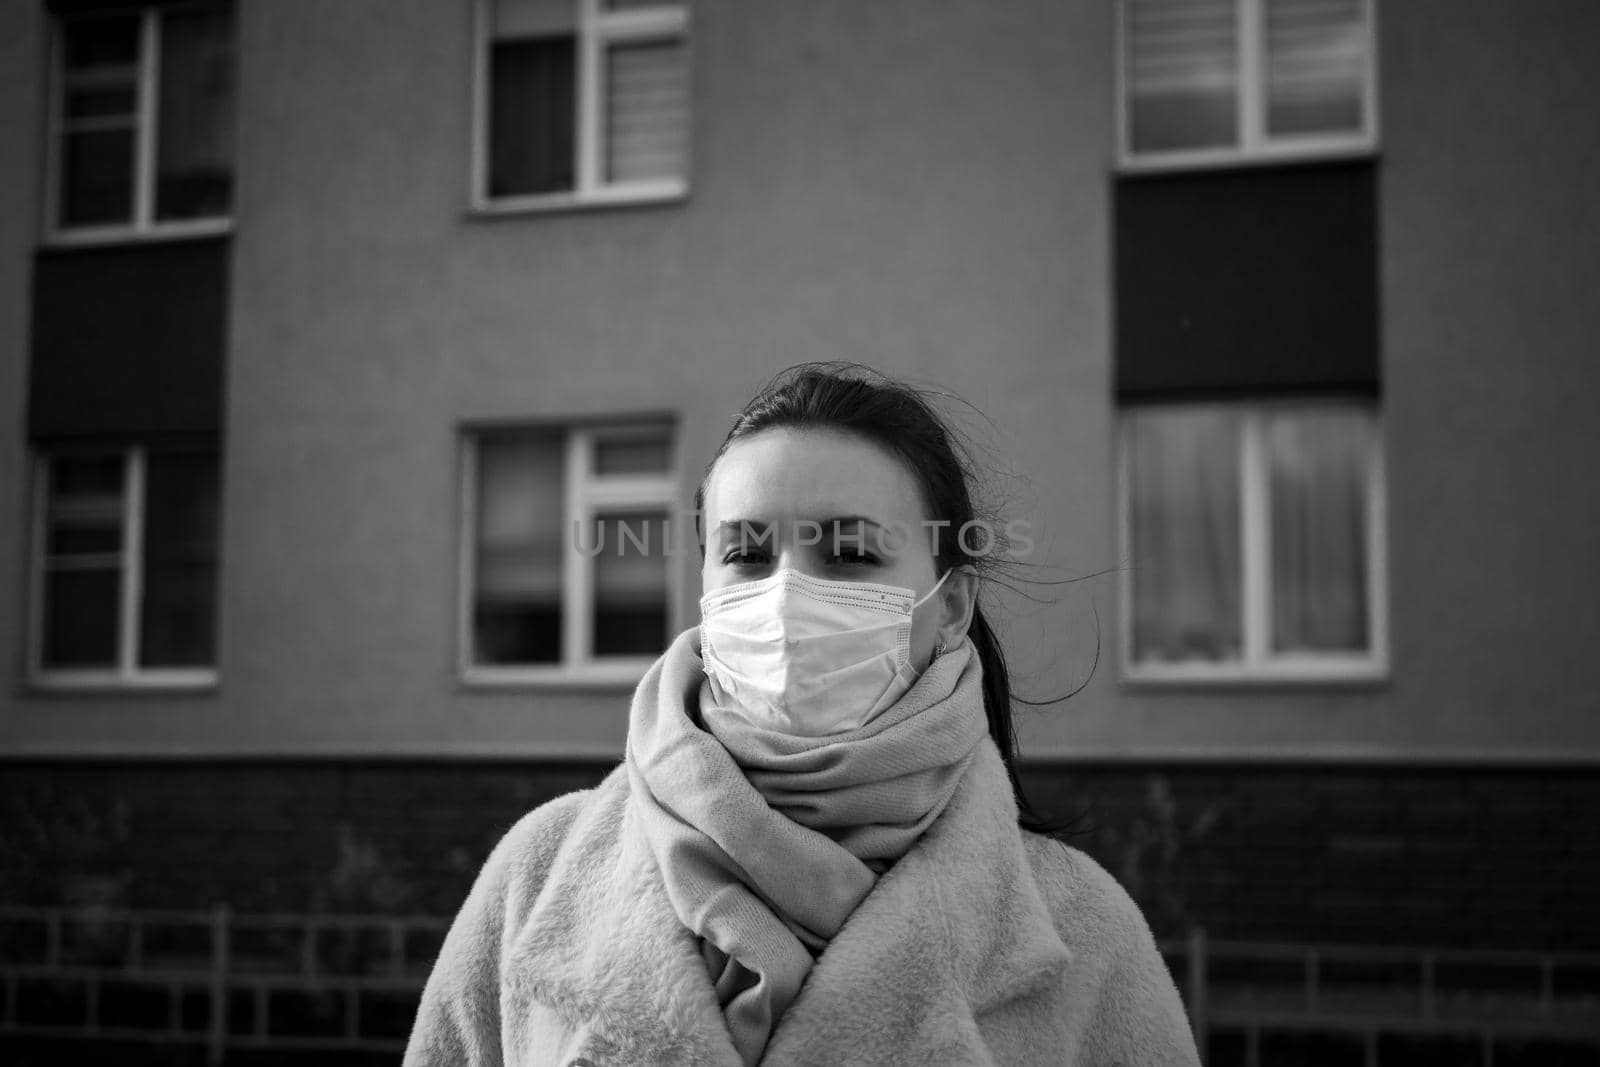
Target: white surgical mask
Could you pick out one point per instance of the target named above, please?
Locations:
(808, 656)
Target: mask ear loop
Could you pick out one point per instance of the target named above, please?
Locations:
(938, 649)
(924, 598)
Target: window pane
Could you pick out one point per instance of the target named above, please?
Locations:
(97, 177)
(100, 57)
(87, 476)
(640, 452)
(630, 583)
(85, 511)
(1318, 492)
(82, 582)
(1184, 526)
(519, 546)
(533, 108)
(194, 161)
(1316, 64)
(81, 611)
(647, 96)
(84, 539)
(117, 101)
(101, 41)
(1182, 74)
(177, 619)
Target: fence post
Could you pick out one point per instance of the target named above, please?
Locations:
(1198, 1011)
(397, 947)
(52, 943)
(220, 952)
(1547, 986)
(1313, 977)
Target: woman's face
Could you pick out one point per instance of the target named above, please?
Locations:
(831, 505)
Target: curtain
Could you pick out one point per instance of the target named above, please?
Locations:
(517, 599)
(1185, 539)
(532, 116)
(1317, 485)
(194, 150)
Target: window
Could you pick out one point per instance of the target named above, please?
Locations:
(125, 566)
(142, 122)
(568, 545)
(1220, 81)
(1253, 535)
(581, 101)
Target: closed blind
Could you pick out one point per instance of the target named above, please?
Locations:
(1316, 64)
(1182, 74)
(647, 111)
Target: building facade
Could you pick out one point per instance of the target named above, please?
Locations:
(325, 327)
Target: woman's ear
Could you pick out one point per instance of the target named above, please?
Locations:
(957, 601)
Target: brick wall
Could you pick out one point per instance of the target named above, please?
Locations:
(1463, 857)
(1466, 857)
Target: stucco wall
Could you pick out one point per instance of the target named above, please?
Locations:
(1492, 267)
(921, 186)
(21, 93)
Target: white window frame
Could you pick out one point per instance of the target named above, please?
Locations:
(127, 674)
(143, 225)
(1258, 663)
(597, 30)
(586, 495)
(1254, 145)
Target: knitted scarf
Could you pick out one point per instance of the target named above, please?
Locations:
(767, 841)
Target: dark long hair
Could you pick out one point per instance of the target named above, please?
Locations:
(854, 399)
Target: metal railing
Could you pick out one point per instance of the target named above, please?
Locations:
(224, 980)
(1368, 992)
(219, 978)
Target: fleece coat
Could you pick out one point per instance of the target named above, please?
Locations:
(984, 944)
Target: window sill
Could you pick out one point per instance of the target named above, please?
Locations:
(1366, 675)
(129, 235)
(639, 195)
(621, 674)
(175, 683)
(1309, 152)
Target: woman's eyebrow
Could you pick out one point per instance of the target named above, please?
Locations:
(759, 532)
(745, 531)
(850, 520)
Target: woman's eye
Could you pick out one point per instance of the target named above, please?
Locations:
(850, 557)
(740, 558)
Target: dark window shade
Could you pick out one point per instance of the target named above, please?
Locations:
(128, 340)
(532, 116)
(1247, 282)
(78, 7)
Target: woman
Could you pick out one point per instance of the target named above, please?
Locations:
(811, 853)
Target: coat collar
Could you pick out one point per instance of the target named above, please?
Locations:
(955, 928)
